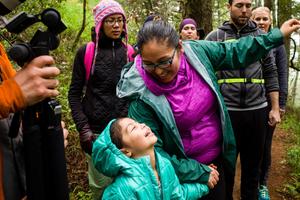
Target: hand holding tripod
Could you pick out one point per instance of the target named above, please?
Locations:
(45, 164)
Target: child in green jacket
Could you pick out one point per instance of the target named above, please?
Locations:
(125, 151)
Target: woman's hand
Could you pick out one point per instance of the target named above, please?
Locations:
(289, 26)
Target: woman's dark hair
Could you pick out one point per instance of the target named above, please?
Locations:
(115, 133)
(159, 30)
(230, 2)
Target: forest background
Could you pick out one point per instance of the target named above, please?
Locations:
(77, 15)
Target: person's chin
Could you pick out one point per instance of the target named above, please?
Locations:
(164, 79)
(243, 20)
(153, 139)
(115, 36)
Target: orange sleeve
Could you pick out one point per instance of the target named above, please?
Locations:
(11, 97)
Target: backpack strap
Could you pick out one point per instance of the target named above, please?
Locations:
(89, 56)
(130, 53)
(88, 59)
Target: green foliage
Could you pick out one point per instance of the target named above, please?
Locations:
(294, 158)
(293, 190)
(291, 121)
(138, 10)
(220, 14)
(291, 124)
(35, 7)
(80, 195)
(71, 14)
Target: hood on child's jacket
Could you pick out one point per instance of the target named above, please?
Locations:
(135, 179)
(110, 161)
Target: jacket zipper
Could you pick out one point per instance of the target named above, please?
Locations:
(154, 181)
(113, 52)
(242, 85)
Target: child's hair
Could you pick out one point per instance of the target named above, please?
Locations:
(115, 133)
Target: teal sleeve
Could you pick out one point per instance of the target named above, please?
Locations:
(194, 191)
(112, 196)
(187, 170)
(186, 191)
(241, 53)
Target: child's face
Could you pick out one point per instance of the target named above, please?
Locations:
(137, 138)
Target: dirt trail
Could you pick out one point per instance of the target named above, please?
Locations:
(279, 173)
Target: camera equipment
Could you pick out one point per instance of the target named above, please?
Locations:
(45, 165)
(6, 6)
(41, 42)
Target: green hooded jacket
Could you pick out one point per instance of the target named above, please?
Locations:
(135, 179)
(206, 57)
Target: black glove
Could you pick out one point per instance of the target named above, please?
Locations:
(87, 139)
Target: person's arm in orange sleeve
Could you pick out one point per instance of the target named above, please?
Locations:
(30, 85)
(10, 101)
(11, 97)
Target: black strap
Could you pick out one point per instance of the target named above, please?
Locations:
(17, 169)
(13, 133)
(15, 125)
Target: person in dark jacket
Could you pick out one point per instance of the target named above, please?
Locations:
(244, 92)
(262, 16)
(92, 110)
(125, 151)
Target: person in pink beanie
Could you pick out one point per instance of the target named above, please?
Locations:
(92, 94)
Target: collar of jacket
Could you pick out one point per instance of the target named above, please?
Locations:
(106, 42)
(229, 27)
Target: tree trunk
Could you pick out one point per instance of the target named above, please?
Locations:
(82, 26)
(284, 13)
(200, 11)
(269, 4)
(294, 89)
(258, 3)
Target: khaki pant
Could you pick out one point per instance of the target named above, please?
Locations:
(97, 181)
